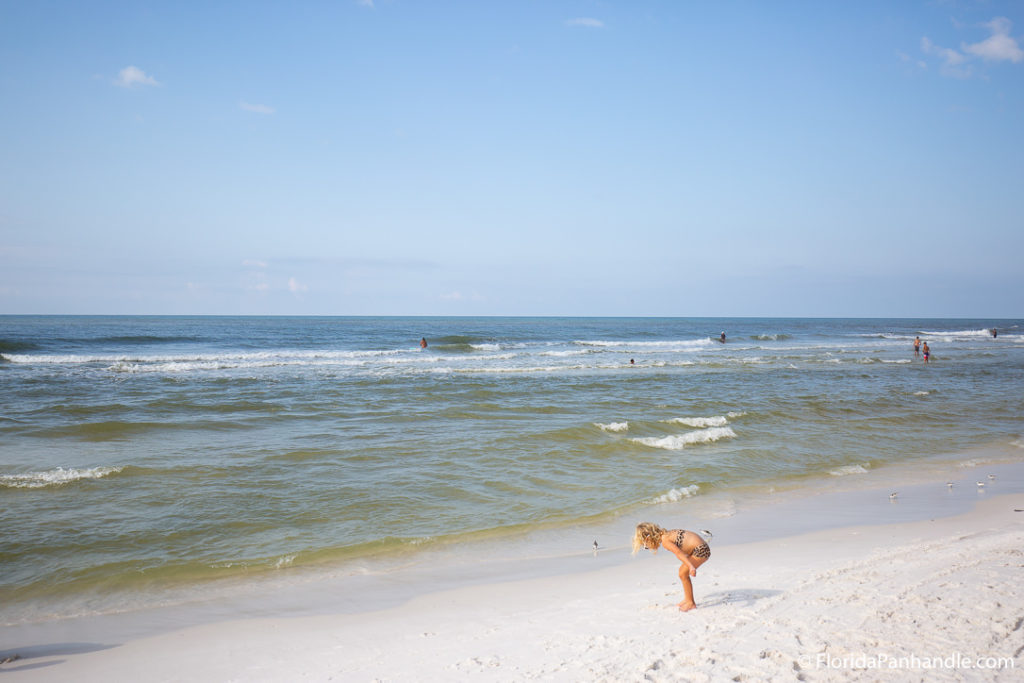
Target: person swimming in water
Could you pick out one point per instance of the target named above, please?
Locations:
(691, 549)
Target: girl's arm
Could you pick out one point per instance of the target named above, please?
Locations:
(670, 545)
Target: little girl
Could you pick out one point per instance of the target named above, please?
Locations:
(690, 548)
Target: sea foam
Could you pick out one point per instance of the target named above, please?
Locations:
(676, 495)
(849, 469)
(678, 442)
(613, 426)
(700, 422)
(55, 477)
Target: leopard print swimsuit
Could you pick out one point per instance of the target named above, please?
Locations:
(702, 551)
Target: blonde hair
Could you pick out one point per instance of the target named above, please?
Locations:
(647, 536)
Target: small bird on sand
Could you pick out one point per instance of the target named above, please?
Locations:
(595, 546)
(707, 533)
(981, 484)
(892, 496)
(949, 484)
(991, 476)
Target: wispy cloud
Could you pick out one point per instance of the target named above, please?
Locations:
(131, 76)
(998, 47)
(296, 287)
(365, 3)
(257, 108)
(950, 58)
(587, 22)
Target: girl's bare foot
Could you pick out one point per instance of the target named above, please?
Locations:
(686, 606)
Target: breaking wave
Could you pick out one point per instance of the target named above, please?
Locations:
(676, 495)
(55, 477)
(678, 442)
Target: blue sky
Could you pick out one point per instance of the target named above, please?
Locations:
(405, 157)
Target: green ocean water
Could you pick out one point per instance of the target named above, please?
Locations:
(141, 453)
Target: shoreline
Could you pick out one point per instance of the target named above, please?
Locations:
(503, 593)
(734, 515)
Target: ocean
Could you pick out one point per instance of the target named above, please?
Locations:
(144, 459)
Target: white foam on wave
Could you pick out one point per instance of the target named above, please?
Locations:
(732, 415)
(1019, 443)
(699, 422)
(676, 495)
(901, 361)
(955, 334)
(566, 354)
(55, 477)
(485, 347)
(921, 393)
(678, 442)
(652, 346)
(613, 426)
(256, 358)
(544, 369)
(285, 561)
(846, 470)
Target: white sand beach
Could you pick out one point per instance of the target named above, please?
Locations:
(941, 599)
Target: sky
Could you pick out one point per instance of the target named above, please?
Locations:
(512, 157)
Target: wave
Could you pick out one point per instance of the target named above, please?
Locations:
(951, 336)
(55, 477)
(464, 344)
(9, 346)
(675, 495)
(655, 346)
(849, 469)
(139, 339)
(285, 561)
(958, 333)
(282, 356)
(771, 337)
(700, 422)
(613, 426)
(678, 442)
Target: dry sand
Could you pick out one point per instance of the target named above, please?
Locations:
(911, 601)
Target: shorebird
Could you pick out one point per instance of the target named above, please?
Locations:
(991, 476)
(707, 533)
(595, 546)
(892, 496)
(981, 484)
(949, 484)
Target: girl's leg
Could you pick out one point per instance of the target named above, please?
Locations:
(684, 575)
